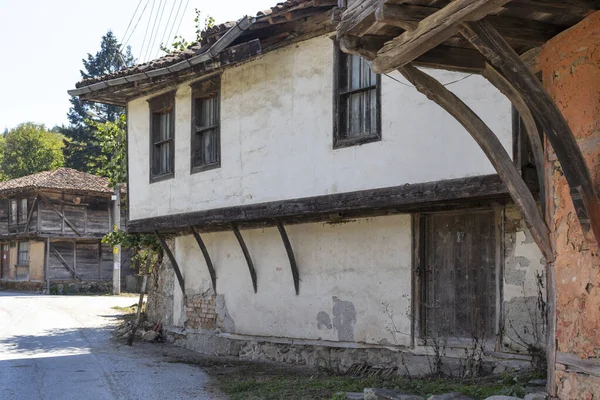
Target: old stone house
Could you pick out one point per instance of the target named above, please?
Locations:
(51, 226)
(314, 211)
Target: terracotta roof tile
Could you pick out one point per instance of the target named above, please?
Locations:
(59, 179)
(195, 49)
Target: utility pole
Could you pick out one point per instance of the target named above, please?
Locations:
(117, 249)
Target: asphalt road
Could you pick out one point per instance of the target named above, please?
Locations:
(59, 347)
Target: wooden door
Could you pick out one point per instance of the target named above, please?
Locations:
(458, 275)
(4, 260)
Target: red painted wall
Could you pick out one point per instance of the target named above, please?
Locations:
(570, 64)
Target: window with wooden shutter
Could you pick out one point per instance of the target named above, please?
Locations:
(458, 274)
(357, 102)
(23, 211)
(162, 136)
(13, 211)
(205, 140)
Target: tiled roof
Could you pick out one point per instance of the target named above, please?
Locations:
(59, 179)
(194, 49)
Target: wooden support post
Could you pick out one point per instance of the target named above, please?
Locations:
(493, 149)
(551, 329)
(46, 265)
(502, 56)
(166, 249)
(75, 256)
(290, 253)
(531, 129)
(140, 301)
(30, 213)
(100, 260)
(209, 264)
(240, 240)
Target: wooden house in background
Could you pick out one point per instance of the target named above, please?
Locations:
(51, 227)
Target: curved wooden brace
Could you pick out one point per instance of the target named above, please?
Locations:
(290, 253)
(493, 149)
(501, 55)
(166, 249)
(537, 148)
(209, 264)
(240, 239)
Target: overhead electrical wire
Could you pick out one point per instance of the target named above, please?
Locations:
(131, 20)
(125, 41)
(155, 28)
(162, 39)
(443, 84)
(147, 27)
(182, 15)
(175, 19)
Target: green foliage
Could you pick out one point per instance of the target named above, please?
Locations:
(180, 43)
(142, 246)
(30, 148)
(111, 162)
(82, 147)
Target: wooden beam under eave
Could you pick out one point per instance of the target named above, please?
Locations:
(358, 18)
(493, 149)
(290, 252)
(171, 257)
(431, 32)
(247, 256)
(502, 56)
(209, 264)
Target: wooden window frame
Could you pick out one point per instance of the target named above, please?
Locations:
(13, 215)
(205, 89)
(418, 260)
(23, 213)
(19, 252)
(163, 104)
(339, 141)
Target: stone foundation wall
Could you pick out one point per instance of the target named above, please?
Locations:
(336, 357)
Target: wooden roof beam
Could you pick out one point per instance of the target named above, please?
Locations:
(431, 32)
(358, 18)
(499, 53)
(493, 149)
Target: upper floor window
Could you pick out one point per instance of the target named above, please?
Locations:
(23, 211)
(18, 211)
(162, 136)
(205, 145)
(357, 102)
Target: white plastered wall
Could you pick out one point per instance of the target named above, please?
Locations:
(356, 267)
(276, 137)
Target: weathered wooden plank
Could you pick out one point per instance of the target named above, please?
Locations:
(493, 46)
(493, 149)
(209, 264)
(515, 30)
(551, 328)
(240, 240)
(167, 250)
(531, 129)
(57, 211)
(290, 252)
(64, 262)
(573, 363)
(407, 197)
(431, 32)
(358, 18)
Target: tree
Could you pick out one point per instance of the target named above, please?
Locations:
(82, 149)
(111, 162)
(30, 148)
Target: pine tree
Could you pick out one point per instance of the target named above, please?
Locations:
(82, 150)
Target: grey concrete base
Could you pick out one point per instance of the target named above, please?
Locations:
(336, 357)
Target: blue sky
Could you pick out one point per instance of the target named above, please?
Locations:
(42, 43)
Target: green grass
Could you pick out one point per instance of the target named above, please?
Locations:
(240, 387)
(243, 380)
